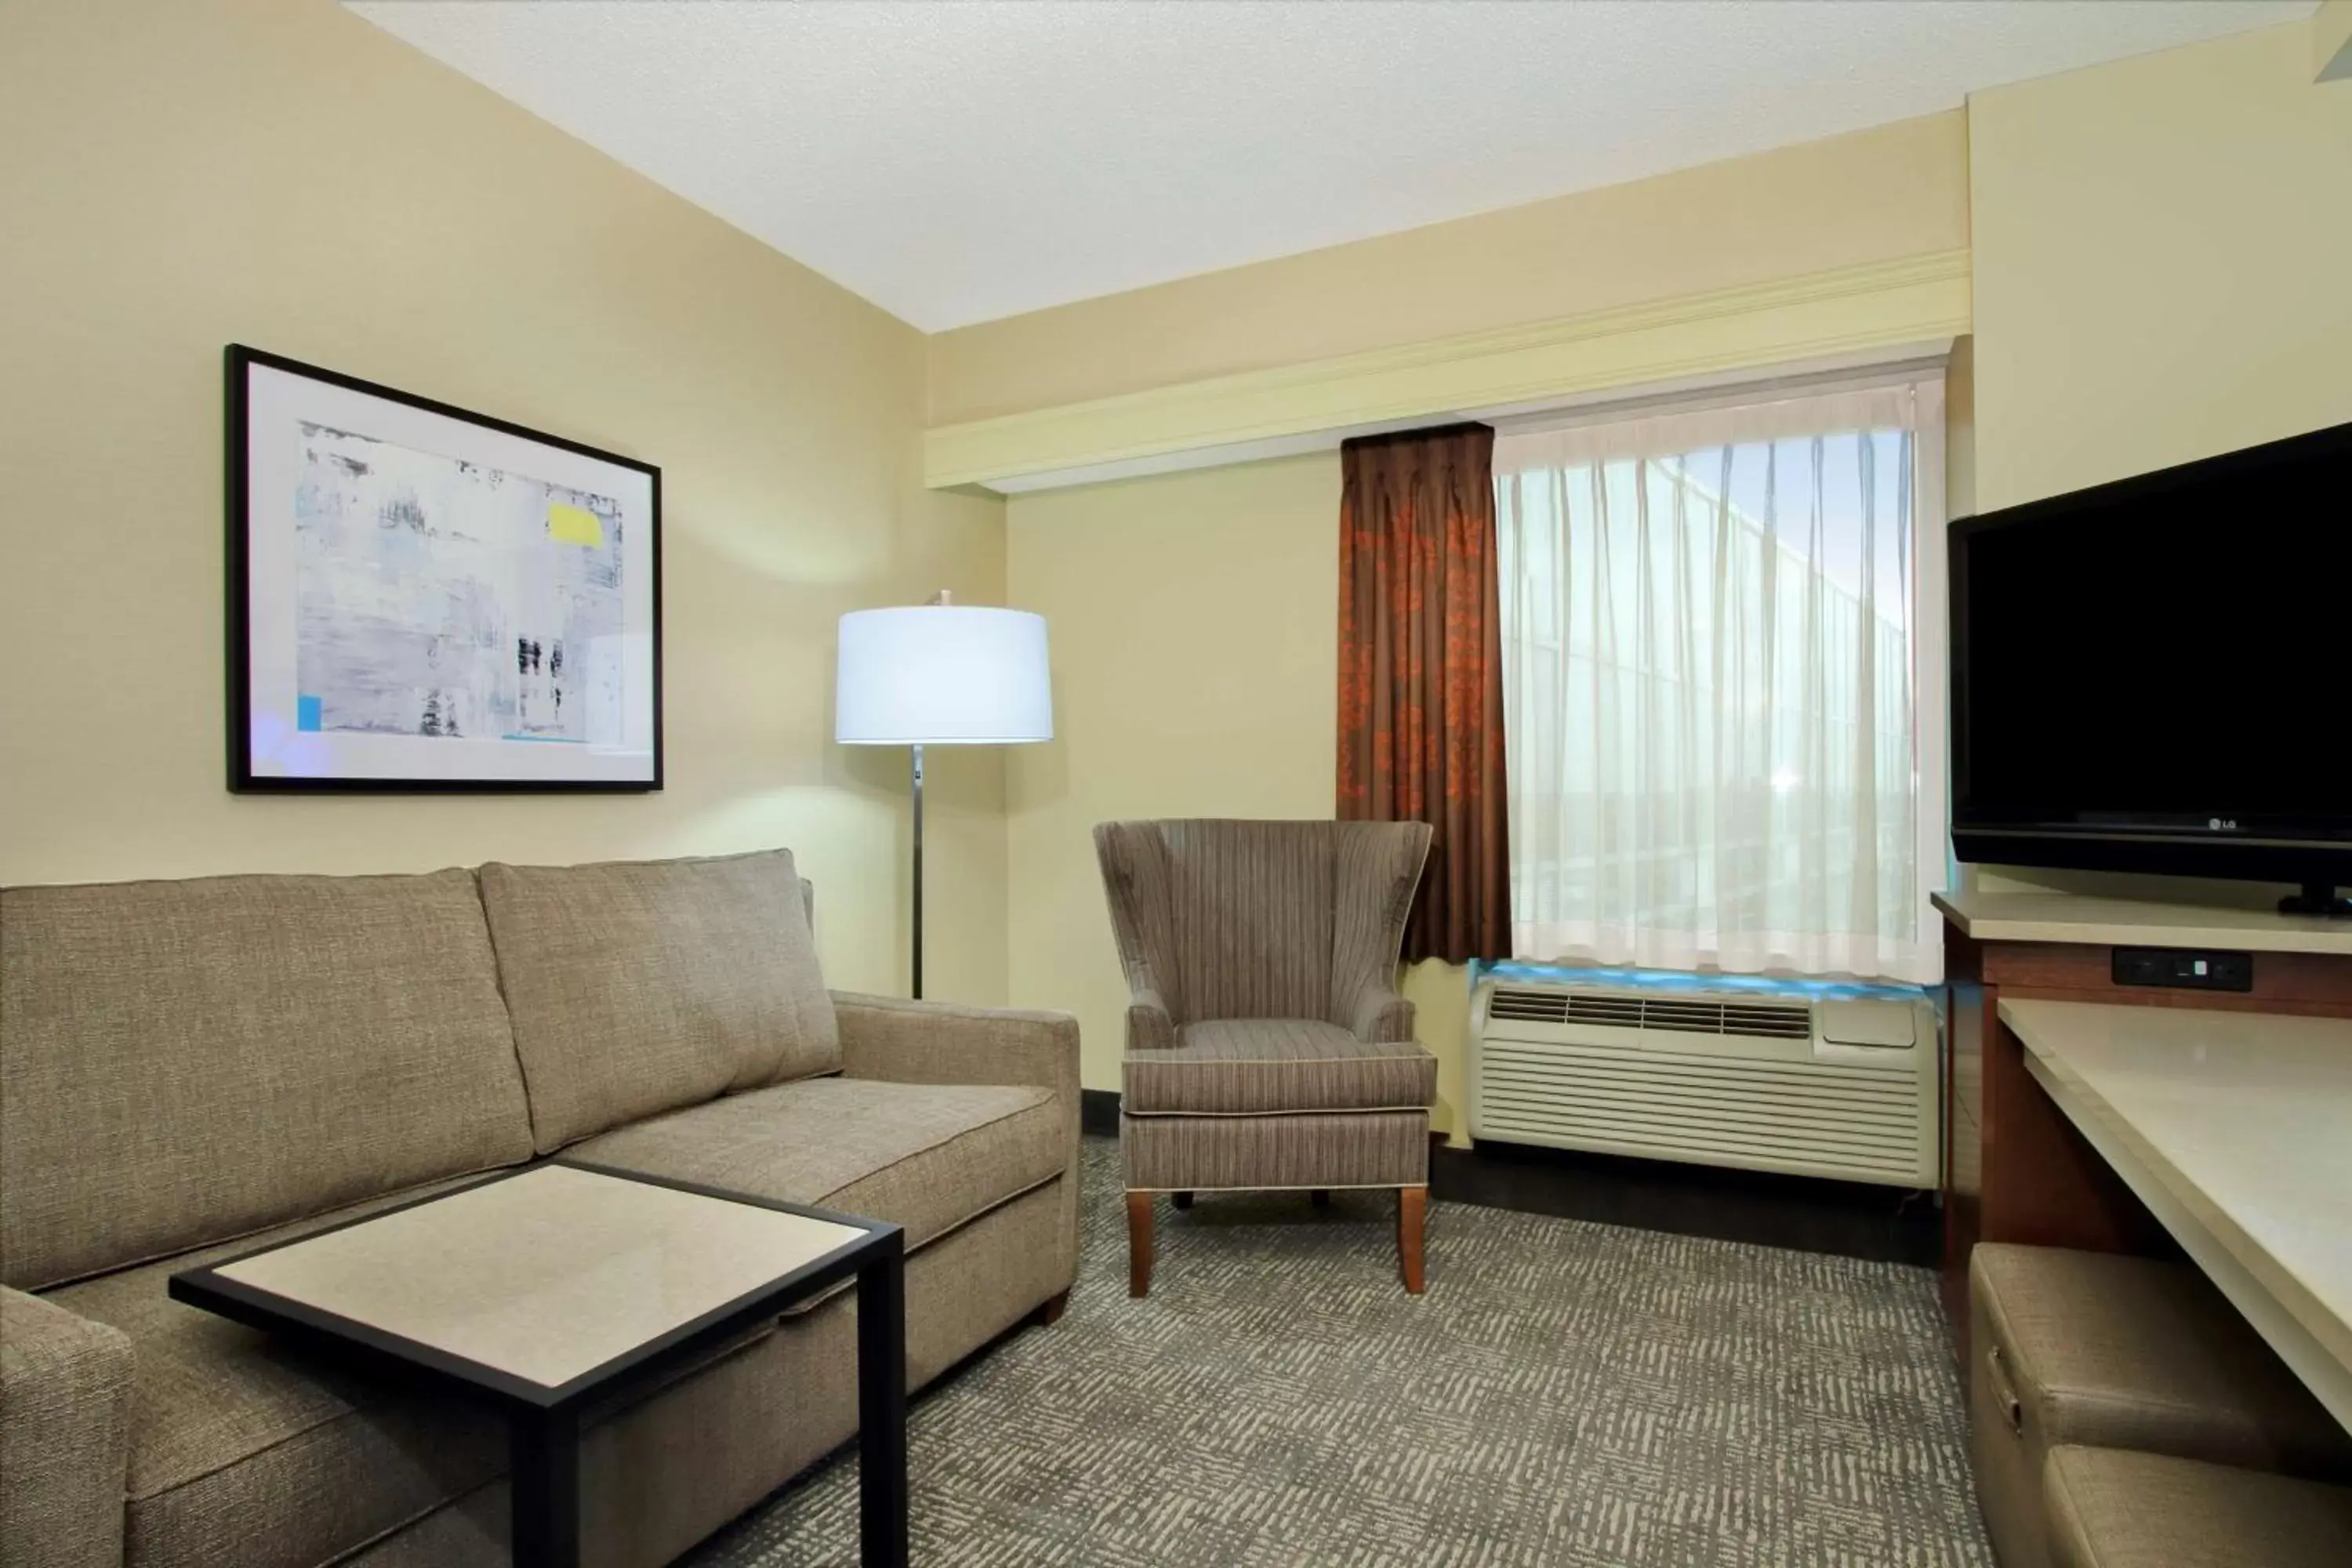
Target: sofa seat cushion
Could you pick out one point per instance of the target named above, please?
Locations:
(1240, 1066)
(246, 1450)
(2109, 1507)
(927, 1157)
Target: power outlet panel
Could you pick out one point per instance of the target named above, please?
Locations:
(2187, 968)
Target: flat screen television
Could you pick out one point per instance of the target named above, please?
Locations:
(2155, 675)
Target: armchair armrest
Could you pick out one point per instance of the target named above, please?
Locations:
(1148, 1026)
(1381, 1017)
(64, 1434)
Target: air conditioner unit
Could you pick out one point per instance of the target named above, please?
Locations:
(1838, 1084)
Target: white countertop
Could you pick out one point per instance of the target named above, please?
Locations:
(2128, 922)
(2236, 1130)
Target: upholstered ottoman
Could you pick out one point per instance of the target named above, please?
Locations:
(2109, 1352)
(2110, 1509)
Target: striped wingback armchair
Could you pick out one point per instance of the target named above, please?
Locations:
(1267, 1044)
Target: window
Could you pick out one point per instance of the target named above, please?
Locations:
(1723, 655)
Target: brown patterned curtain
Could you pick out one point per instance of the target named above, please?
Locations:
(1421, 674)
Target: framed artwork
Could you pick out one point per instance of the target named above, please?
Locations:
(421, 599)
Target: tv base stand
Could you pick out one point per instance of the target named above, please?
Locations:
(2316, 898)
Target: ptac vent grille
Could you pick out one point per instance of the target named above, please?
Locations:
(1681, 1015)
(1855, 1124)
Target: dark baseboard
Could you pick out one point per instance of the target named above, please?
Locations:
(1806, 1214)
(1099, 1111)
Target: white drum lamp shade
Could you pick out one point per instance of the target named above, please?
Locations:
(942, 675)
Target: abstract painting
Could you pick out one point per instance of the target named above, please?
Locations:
(426, 598)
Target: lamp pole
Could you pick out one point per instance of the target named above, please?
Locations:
(940, 598)
(919, 871)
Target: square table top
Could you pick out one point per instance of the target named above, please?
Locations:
(544, 1275)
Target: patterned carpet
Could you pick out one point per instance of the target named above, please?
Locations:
(1565, 1393)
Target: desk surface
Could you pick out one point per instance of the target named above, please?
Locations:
(2236, 1130)
(2129, 923)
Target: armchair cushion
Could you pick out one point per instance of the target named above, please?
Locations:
(1256, 1065)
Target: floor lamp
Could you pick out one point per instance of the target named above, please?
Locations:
(940, 675)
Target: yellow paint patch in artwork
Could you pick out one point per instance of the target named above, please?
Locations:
(569, 524)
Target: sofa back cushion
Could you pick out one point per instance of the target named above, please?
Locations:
(183, 1062)
(640, 986)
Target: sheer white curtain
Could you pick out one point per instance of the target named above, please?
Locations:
(1723, 658)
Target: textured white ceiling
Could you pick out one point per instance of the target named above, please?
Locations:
(957, 162)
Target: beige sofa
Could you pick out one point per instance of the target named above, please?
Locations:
(189, 1067)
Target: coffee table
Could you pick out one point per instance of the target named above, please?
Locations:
(543, 1290)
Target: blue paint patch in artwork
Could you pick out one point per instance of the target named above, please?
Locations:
(306, 713)
(549, 740)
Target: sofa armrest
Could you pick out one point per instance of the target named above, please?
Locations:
(944, 1042)
(65, 1435)
(1381, 1017)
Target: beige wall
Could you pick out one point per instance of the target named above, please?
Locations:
(1894, 191)
(1960, 430)
(2163, 257)
(1195, 628)
(176, 175)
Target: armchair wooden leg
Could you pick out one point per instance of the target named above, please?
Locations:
(1049, 1311)
(1412, 1203)
(1138, 1244)
(1183, 1200)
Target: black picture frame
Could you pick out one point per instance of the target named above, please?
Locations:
(239, 364)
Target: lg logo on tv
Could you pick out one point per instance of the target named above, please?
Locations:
(2223, 825)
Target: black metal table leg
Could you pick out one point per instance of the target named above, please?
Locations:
(882, 1410)
(545, 1452)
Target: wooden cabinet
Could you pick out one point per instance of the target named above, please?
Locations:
(2015, 1169)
